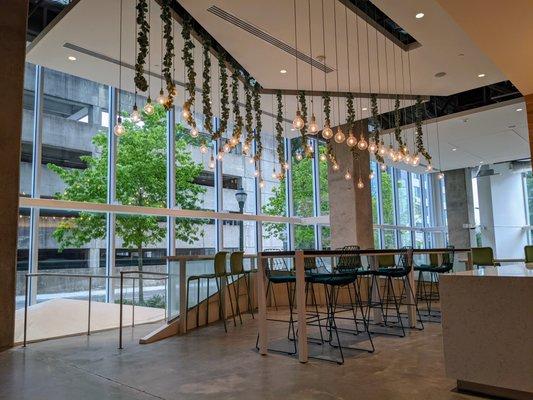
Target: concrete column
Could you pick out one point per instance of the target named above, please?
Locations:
(350, 208)
(460, 208)
(13, 52)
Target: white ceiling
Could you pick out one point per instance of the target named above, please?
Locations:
(93, 25)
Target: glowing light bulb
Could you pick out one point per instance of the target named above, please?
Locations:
(226, 148)
(390, 152)
(256, 173)
(372, 147)
(360, 184)
(323, 157)
(394, 157)
(148, 107)
(251, 160)
(407, 158)
(119, 128)
(335, 166)
(261, 184)
(339, 136)
(233, 141)
(245, 147)
(313, 127)
(440, 175)
(429, 168)
(194, 132)
(351, 141)
(327, 132)
(135, 115)
(161, 99)
(382, 150)
(383, 167)
(203, 148)
(347, 175)
(362, 144)
(416, 160)
(298, 122)
(220, 156)
(286, 166)
(186, 113)
(211, 162)
(371, 175)
(274, 174)
(299, 156)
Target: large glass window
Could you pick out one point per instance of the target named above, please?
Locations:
(387, 197)
(416, 197)
(402, 190)
(374, 192)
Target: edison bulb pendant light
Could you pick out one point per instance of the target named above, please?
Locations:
(347, 175)
(233, 141)
(226, 148)
(429, 168)
(372, 147)
(351, 141)
(416, 160)
(360, 184)
(327, 132)
(299, 156)
(186, 113)
(440, 175)
(371, 175)
(339, 135)
(135, 115)
(203, 148)
(390, 152)
(211, 162)
(220, 156)
(313, 127)
(323, 157)
(335, 166)
(251, 160)
(161, 99)
(383, 167)
(119, 128)
(382, 150)
(286, 166)
(148, 107)
(407, 158)
(298, 122)
(362, 144)
(194, 132)
(245, 147)
(274, 174)
(261, 184)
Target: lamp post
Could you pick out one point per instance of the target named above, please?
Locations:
(241, 196)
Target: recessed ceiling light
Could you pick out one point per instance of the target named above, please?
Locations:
(283, 71)
(364, 108)
(518, 109)
(72, 58)
(480, 75)
(419, 15)
(454, 149)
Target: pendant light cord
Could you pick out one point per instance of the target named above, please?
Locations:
(337, 62)
(359, 111)
(311, 55)
(296, 54)
(135, 47)
(120, 61)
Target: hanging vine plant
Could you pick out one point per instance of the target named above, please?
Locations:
(206, 89)
(258, 123)
(142, 40)
(237, 126)
(350, 112)
(279, 133)
(326, 99)
(419, 140)
(374, 135)
(303, 131)
(169, 53)
(397, 125)
(249, 118)
(224, 99)
(188, 60)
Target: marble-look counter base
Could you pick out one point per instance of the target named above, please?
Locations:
(487, 327)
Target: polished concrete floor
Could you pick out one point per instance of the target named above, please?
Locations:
(208, 364)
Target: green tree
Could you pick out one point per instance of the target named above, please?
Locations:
(141, 181)
(302, 192)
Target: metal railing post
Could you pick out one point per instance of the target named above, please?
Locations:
(26, 291)
(133, 304)
(120, 322)
(89, 308)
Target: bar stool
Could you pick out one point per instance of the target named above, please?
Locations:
(237, 271)
(434, 269)
(483, 257)
(218, 275)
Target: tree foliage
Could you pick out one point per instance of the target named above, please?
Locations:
(141, 181)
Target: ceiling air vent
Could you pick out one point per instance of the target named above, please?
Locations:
(232, 19)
